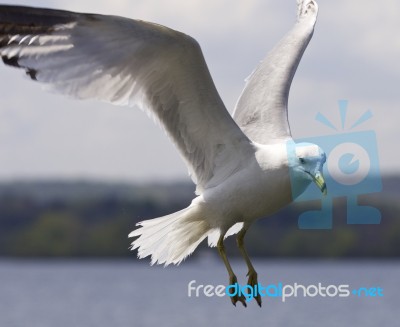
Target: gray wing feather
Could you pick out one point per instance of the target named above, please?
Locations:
(130, 62)
(261, 110)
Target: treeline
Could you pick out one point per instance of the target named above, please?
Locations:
(65, 219)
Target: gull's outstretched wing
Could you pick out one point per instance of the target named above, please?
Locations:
(261, 110)
(129, 62)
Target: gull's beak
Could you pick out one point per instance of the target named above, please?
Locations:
(320, 182)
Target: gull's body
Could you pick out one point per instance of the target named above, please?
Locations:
(244, 166)
(242, 196)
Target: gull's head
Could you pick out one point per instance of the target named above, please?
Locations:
(306, 164)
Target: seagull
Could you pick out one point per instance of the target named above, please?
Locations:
(245, 166)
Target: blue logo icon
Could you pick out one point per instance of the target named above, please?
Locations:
(351, 170)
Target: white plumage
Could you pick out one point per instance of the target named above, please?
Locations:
(240, 164)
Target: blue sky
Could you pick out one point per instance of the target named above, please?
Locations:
(354, 55)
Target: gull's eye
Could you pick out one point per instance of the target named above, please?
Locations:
(302, 160)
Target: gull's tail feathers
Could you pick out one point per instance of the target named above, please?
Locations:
(170, 239)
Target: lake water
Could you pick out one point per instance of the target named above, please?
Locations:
(35, 293)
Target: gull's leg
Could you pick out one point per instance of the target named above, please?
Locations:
(232, 277)
(252, 281)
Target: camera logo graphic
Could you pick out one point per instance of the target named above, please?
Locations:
(351, 170)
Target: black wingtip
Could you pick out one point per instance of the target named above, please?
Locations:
(13, 62)
(32, 16)
(32, 73)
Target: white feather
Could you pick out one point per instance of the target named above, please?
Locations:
(241, 175)
(261, 110)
